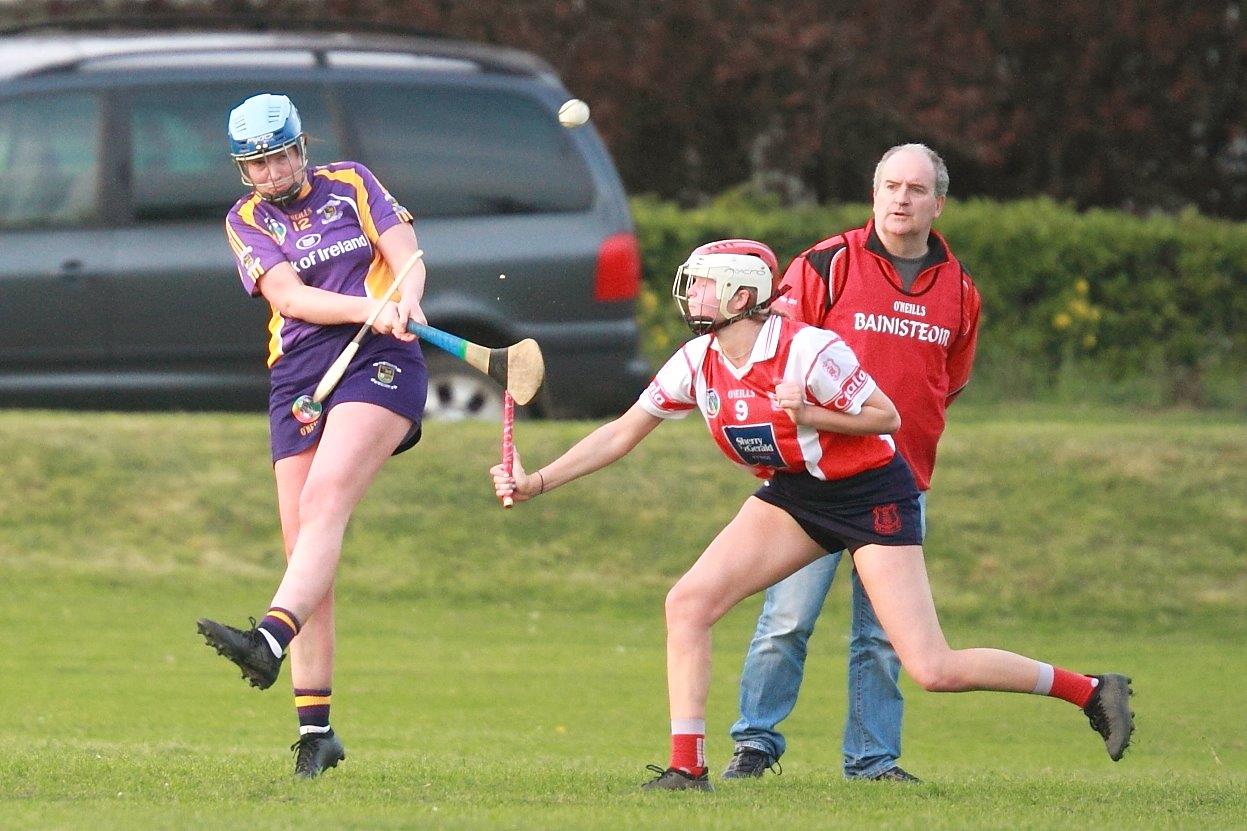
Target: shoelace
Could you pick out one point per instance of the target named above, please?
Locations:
(305, 748)
(664, 771)
(774, 767)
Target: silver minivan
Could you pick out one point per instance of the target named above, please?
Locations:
(117, 287)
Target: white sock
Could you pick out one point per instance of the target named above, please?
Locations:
(1043, 685)
(688, 727)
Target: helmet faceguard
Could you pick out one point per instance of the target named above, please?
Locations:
(730, 273)
(267, 127)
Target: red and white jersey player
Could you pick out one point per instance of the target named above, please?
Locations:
(739, 403)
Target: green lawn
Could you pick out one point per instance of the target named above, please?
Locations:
(506, 669)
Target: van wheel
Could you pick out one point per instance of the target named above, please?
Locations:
(458, 392)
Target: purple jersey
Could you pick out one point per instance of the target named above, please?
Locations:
(329, 236)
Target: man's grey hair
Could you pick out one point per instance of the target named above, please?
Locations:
(941, 169)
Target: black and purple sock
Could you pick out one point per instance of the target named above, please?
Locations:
(281, 626)
(313, 709)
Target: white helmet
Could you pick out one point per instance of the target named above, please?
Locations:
(730, 273)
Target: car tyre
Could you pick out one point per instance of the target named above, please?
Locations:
(458, 392)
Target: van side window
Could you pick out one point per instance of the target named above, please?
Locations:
(458, 151)
(49, 160)
(180, 164)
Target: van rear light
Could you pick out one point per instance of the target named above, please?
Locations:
(618, 275)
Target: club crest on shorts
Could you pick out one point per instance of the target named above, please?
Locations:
(712, 403)
(887, 519)
(386, 372)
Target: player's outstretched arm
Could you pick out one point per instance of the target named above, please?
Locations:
(606, 444)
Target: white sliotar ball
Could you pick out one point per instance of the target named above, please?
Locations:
(573, 113)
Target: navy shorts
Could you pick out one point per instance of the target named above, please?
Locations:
(385, 372)
(875, 507)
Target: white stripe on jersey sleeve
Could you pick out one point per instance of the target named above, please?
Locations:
(833, 377)
(831, 275)
(798, 367)
(671, 394)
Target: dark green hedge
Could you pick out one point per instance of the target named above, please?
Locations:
(1098, 305)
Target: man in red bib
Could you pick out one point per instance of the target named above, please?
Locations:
(900, 299)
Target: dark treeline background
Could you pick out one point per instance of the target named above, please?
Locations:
(1126, 104)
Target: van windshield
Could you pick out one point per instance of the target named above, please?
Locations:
(459, 151)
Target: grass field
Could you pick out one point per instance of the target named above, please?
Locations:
(506, 670)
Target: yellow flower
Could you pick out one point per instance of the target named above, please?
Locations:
(1061, 320)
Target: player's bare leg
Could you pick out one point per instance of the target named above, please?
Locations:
(758, 548)
(311, 653)
(358, 439)
(755, 550)
(895, 578)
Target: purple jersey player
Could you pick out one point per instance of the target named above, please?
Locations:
(320, 244)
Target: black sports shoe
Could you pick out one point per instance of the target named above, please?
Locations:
(316, 752)
(1109, 712)
(750, 763)
(674, 779)
(249, 650)
(896, 773)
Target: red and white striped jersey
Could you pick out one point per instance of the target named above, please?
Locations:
(739, 404)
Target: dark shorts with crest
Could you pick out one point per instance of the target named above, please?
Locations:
(875, 507)
(385, 372)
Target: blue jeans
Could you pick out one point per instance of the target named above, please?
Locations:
(775, 665)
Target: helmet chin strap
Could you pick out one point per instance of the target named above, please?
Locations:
(286, 198)
(707, 325)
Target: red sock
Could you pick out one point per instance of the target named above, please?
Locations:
(1071, 686)
(688, 752)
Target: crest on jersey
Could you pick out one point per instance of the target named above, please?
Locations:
(755, 444)
(712, 403)
(331, 211)
(887, 519)
(276, 229)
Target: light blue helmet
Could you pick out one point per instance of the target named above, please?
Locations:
(265, 125)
